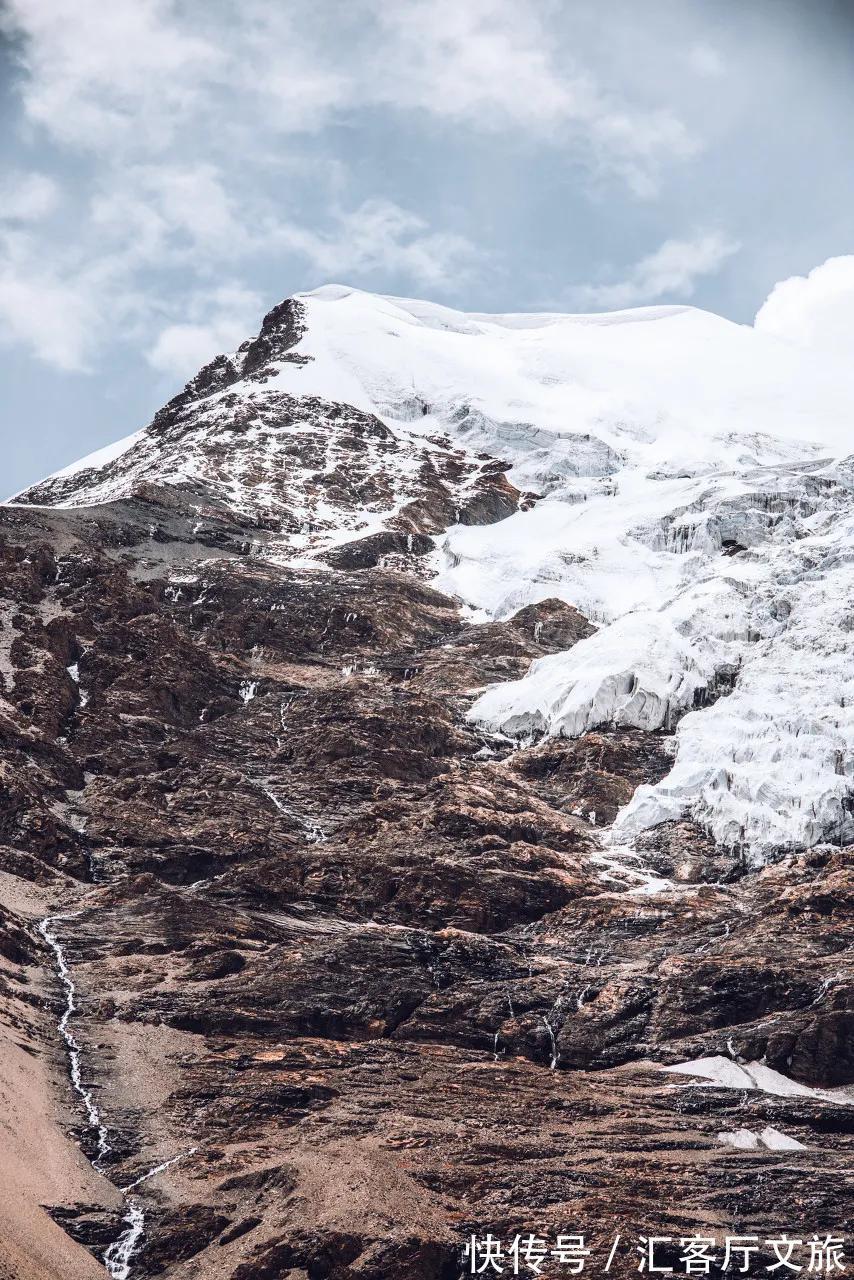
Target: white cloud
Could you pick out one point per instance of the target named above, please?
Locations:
(184, 119)
(27, 197)
(172, 210)
(66, 305)
(295, 82)
(380, 236)
(46, 317)
(179, 113)
(219, 321)
(492, 64)
(56, 318)
(101, 75)
(671, 271)
(816, 310)
(137, 73)
(636, 146)
(486, 61)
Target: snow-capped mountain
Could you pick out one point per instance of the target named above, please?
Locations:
(364, 722)
(685, 482)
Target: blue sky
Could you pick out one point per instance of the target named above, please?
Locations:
(171, 168)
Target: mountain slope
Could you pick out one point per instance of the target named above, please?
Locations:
(366, 725)
(693, 499)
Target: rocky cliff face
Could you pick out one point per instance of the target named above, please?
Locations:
(356, 723)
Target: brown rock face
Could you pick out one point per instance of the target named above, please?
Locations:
(366, 980)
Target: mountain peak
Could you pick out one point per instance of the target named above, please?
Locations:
(676, 477)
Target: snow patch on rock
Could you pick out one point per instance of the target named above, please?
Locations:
(772, 1139)
(723, 1073)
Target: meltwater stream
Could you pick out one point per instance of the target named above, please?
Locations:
(120, 1254)
(74, 1051)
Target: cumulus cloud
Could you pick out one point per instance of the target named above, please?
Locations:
(178, 114)
(816, 310)
(672, 271)
(217, 321)
(189, 128)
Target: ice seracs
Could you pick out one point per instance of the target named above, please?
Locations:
(689, 489)
(639, 673)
